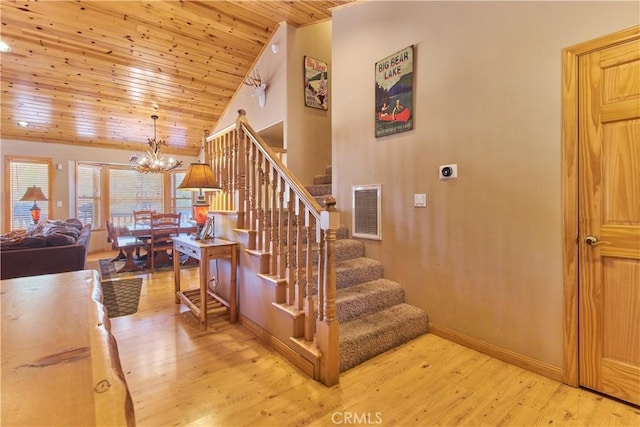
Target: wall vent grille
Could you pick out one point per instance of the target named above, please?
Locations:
(367, 222)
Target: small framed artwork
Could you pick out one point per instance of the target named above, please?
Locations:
(208, 229)
(394, 93)
(316, 83)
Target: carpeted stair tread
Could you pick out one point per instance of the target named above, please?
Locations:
(357, 270)
(345, 249)
(366, 337)
(319, 190)
(321, 179)
(367, 298)
(353, 272)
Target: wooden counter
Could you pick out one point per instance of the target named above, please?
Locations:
(60, 363)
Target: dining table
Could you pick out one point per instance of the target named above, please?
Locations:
(141, 230)
(144, 229)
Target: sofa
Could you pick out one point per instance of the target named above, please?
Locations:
(52, 246)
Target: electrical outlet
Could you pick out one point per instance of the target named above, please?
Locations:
(448, 171)
(419, 200)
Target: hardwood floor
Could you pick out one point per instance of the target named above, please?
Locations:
(179, 375)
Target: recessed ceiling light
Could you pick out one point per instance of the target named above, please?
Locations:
(4, 47)
(23, 124)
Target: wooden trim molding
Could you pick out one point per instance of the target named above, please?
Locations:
(570, 61)
(508, 356)
(300, 362)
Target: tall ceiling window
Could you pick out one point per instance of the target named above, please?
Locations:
(25, 172)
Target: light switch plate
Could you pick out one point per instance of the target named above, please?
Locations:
(420, 200)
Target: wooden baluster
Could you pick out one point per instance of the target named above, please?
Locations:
(320, 279)
(299, 232)
(309, 309)
(267, 208)
(253, 190)
(227, 171)
(209, 153)
(261, 190)
(282, 213)
(245, 159)
(239, 178)
(217, 156)
(290, 250)
(273, 267)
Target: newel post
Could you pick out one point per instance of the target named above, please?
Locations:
(327, 327)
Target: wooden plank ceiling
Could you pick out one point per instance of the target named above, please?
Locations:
(92, 73)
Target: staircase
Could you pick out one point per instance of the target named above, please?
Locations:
(307, 288)
(371, 310)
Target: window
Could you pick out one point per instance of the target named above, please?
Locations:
(88, 194)
(113, 192)
(181, 200)
(24, 172)
(130, 190)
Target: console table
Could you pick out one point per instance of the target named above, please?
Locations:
(205, 250)
(60, 363)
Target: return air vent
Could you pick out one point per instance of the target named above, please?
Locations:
(367, 223)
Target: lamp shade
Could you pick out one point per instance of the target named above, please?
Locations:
(33, 194)
(199, 177)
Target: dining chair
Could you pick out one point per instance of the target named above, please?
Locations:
(164, 227)
(142, 217)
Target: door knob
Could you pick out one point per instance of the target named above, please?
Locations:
(593, 241)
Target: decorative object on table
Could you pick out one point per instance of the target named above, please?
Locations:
(260, 88)
(394, 93)
(34, 194)
(153, 161)
(209, 228)
(199, 177)
(316, 84)
(121, 297)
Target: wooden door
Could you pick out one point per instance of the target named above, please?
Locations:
(609, 220)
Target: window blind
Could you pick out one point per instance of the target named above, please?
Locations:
(24, 174)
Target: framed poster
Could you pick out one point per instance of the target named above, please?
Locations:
(316, 83)
(394, 93)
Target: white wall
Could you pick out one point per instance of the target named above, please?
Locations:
(484, 258)
(306, 131)
(273, 70)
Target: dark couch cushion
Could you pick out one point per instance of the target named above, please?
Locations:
(23, 242)
(60, 239)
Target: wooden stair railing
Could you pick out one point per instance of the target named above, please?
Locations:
(289, 225)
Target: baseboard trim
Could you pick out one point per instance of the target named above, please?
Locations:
(508, 356)
(300, 362)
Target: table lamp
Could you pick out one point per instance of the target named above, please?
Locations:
(199, 177)
(34, 193)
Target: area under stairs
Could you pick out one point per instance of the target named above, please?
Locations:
(372, 311)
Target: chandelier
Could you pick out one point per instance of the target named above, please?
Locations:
(153, 161)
